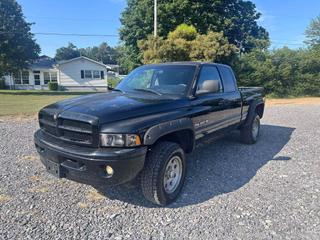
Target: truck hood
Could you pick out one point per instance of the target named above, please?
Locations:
(115, 106)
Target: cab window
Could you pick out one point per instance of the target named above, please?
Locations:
(208, 73)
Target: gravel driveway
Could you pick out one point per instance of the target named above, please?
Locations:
(233, 191)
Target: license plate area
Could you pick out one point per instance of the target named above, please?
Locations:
(53, 168)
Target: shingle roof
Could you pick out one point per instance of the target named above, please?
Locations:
(43, 62)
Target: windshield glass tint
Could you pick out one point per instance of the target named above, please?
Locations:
(159, 79)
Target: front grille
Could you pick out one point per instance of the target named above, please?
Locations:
(48, 123)
(76, 125)
(77, 137)
(80, 130)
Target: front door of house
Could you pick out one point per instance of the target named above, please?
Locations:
(36, 76)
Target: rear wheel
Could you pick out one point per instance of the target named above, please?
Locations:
(164, 173)
(250, 133)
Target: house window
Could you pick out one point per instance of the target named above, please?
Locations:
(96, 74)
(54, 77)
(49, 77)
(21, 77)
(87, 74)
(46, 77)
(17, 78)
(92, 74)
(25, 77)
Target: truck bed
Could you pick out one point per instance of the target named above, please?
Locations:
(249, 93)
(251, 89)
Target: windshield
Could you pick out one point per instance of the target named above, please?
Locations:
(159, 79)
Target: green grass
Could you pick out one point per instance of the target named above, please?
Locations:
(20, 102)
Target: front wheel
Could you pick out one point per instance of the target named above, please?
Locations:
(164, 173)
(250, 133)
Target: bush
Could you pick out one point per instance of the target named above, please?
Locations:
(113, 81)
(2, 83)
(53, 86)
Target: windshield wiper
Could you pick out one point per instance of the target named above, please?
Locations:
(147, 90)
(118, 90)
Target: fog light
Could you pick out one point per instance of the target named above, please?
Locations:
(109, 170)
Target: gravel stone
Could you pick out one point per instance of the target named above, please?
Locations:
(270, 190)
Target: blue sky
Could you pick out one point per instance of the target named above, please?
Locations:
(285, 20)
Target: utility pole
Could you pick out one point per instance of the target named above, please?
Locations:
(155, 18)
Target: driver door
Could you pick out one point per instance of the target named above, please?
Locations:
(208, 107)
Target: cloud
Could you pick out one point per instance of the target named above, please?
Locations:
(267, 20)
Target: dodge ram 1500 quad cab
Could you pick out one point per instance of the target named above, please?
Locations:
(146, 125)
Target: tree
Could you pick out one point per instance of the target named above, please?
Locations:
(103, 53)
(66, 53)
(186, 44)
(17, 45)
(282, 72)
(313, 32)
(237, 19)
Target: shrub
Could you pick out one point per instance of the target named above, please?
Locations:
(53, 86)
(113, 81)
(2, 83)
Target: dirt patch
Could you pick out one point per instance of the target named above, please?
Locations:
(18, 118)
(94, 196)
(41, 189)
(4, 198)
(35, 178)
(296, 101)
(82, 205)
(30, 158)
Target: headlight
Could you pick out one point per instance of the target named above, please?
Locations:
(119, 140)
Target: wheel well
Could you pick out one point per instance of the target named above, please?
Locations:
(259, 110)
(185, 138)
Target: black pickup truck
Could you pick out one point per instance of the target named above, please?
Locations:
(146, 125)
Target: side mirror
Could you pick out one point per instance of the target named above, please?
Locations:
(209, 86)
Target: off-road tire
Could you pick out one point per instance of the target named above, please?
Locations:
(152, 175)
(247, 133)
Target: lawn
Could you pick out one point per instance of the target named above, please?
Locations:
(28, 102)
(21, 102)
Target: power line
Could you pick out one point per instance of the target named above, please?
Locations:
(75, 19)
(67, 34)
(76, 34)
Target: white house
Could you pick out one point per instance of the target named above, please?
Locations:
(75, 74)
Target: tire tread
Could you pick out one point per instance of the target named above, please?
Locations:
(149, 176)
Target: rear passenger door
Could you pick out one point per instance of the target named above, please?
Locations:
(232, 97)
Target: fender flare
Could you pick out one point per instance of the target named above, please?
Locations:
(252, 112)
(162, 129)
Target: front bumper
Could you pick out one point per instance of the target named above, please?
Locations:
(87, 165)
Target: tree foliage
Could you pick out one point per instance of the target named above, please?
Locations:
(66, 53)
(313, 32)
(17, 45)
(236, 18)
(283, 72)
(102, 53)
(186, 44)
